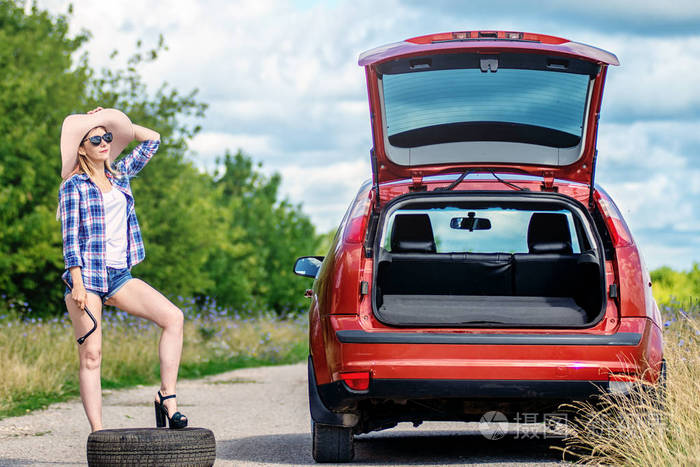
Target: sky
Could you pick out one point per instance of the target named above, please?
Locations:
(282, 83)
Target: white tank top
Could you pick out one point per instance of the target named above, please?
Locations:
(115, 228)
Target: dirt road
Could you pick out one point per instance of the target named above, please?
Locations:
(259, 416)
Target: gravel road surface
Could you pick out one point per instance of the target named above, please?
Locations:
(259, 416)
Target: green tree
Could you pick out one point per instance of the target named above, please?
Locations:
(39, 85)
(681, 286)
(265, 237)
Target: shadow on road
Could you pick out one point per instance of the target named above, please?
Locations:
(397, 448)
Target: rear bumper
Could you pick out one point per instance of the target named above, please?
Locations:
(468, 355)
(358, 336)
(449, 374)
(440, 375)
(337, 396)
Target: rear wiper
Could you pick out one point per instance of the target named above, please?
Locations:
(455, 183)
(512, 185)
(461, 177)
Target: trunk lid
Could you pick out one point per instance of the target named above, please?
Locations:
(485, 100)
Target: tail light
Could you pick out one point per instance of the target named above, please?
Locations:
(357, 224)
(358, 380)
(619, 232)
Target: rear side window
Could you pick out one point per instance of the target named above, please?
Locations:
(507, 232)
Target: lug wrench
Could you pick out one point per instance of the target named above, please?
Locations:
(94, 321)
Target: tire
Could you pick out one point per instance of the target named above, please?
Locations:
(661, 386)
(332, 443)
(152, 446)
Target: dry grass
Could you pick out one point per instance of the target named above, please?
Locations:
(649, 428)
(39, 361)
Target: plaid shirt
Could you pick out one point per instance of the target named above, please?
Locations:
(83, 220)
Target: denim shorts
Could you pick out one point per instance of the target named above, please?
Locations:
(116, 278)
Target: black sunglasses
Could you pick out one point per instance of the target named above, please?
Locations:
(96, 140)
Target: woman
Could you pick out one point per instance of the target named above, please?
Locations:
(102, 242)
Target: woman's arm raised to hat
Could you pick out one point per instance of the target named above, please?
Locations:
(132, 163)
(142, 133)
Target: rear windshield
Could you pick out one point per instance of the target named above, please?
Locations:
(507, 232)
(512, 105)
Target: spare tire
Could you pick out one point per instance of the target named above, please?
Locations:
(151, 446)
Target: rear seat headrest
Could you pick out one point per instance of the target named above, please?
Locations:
(549, 233)
(412, 233)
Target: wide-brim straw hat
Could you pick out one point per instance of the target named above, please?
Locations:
(76, 126)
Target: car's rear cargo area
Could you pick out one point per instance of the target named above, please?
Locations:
(550, 285)
(488, 309)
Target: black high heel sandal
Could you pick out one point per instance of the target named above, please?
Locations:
(178, 420)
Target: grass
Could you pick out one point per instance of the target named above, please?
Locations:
(648, 427)
(39, 363)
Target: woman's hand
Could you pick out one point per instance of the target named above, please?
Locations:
(79, 294)
(97, 109)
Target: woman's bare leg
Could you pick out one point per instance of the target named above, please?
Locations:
(138, 298)
(90, 355)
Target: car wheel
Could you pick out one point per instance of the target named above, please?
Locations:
(151, 446)
(332, 443)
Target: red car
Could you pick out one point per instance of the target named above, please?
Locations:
(481, 269)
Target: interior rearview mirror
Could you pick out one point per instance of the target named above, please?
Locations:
(470, 223)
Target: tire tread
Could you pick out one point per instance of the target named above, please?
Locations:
(152, 447)
(332, 443)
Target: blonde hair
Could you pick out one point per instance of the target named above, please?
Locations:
(83, 166)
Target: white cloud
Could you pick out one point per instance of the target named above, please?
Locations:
(283, 84)
(651, 171)
(210, 145)
(656, 203)
(327, 190)
(651, 145)
(676, 255)
(662, 215)
(657, 78)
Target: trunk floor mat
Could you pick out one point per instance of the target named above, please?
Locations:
(439, 310)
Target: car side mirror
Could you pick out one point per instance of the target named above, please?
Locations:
(308, 266)
(470, 223)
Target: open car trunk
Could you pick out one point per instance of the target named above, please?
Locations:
(537, 262)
